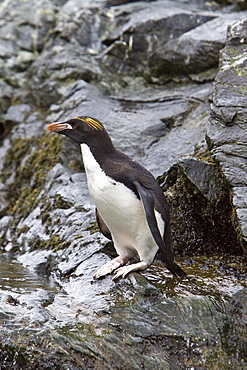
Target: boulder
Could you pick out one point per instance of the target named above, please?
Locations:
(24, 28)
(227, 131)
(201, 212)
(132, 45)
(23, 33)
(178, 42)
(195, 51)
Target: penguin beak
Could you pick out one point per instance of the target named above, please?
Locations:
(58, 126)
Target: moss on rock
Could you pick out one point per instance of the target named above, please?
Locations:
(28, 160)
(200, 216)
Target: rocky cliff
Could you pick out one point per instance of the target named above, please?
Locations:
(168, 78)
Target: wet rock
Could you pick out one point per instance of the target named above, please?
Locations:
(17, 113)
(227, 133)
(137, 47)
(6, 93)
(200, 207)
(69, 54)
(23, 32)
(179, 57)
(81, 34)
(179, 42)
(65, 63)
(146, 317)
(204, 176)
(120, 2)
(65, 59)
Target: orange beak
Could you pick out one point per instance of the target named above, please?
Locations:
(58, 126)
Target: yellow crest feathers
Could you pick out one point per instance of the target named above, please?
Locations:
(91, 122)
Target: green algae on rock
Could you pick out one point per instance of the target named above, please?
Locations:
(29, 160)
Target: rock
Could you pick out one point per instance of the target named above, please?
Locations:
(194, 51)
(192, 46)
(6, 93)
(157, 323)
(69, 55)
(17, 113)
(120, 2)
(23, 34)
(205, 177)
(63, 69)
(24, 59)
(7, 49)
(64, 59)
(227, 132)
(130, 52)
(199, 207)
(137, 48)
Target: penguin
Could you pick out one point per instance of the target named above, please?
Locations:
(131, 208)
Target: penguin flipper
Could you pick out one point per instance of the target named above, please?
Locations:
(102, 226)
(148, 204)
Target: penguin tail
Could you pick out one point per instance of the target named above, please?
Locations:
(176, 270)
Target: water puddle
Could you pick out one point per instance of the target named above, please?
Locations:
(15, 278)
(201, 317)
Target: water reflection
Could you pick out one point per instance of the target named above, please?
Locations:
(14, 277)
(200, 317)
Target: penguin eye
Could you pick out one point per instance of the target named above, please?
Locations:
(75, 126)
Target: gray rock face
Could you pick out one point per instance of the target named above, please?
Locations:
(23, 32)
(172, 42)
(227, 132)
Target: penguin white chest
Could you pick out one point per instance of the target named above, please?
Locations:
(113, 199)
(121, 210)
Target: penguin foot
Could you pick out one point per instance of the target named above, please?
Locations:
(123, 271)
(110, 266)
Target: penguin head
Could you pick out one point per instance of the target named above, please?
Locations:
(82, 130)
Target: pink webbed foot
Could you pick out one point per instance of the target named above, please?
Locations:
(110, 266)
(123, 271)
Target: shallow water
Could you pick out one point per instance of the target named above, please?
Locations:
(15, 278)
(199, 320)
